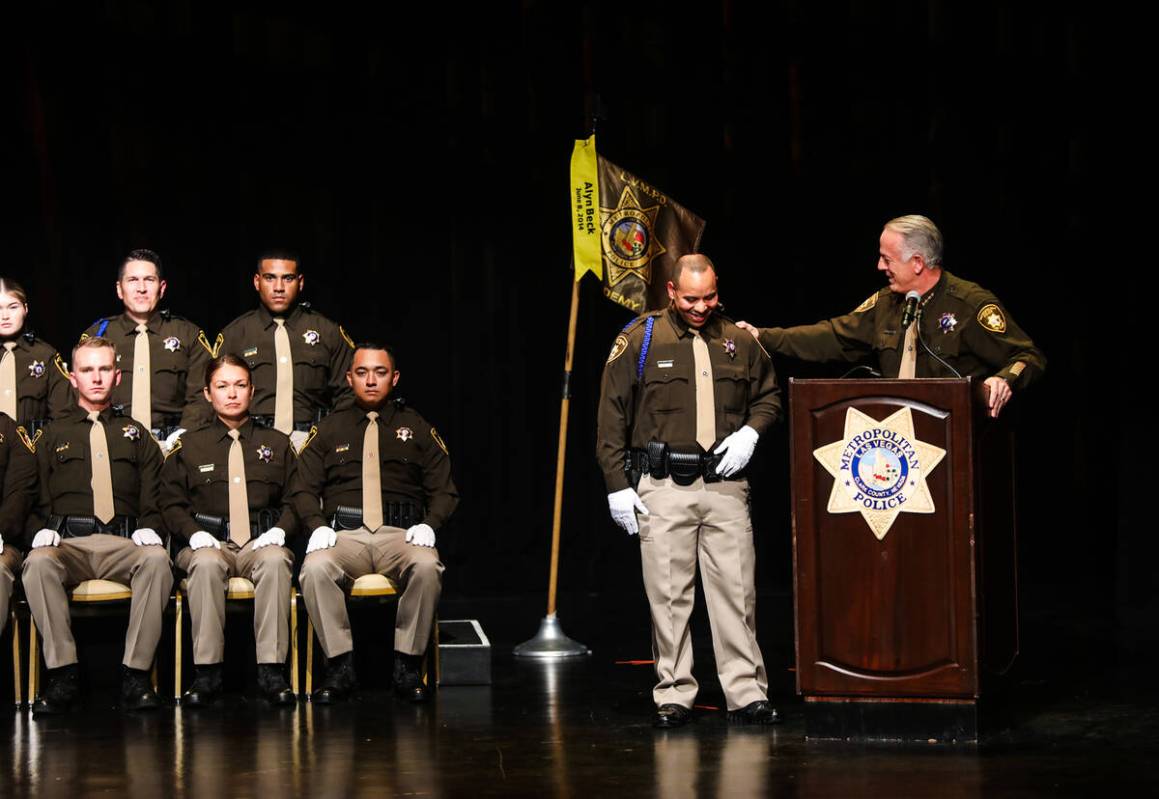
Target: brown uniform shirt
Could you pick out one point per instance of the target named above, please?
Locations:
(65, 470)
(178, 355)
(660, 404)
(961, 322)
(195, 478)
(415, 466)
(321, 350)
(17, 481)
(43, 391)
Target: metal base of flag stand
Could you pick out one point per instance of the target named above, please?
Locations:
(550, 643)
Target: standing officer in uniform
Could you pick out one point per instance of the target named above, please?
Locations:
(685, 396)
(161, 356)
(299, 358)
(222, 491)
(384, 480)
(96, 518)
(959, 329)
(33, 377)
(17, 493)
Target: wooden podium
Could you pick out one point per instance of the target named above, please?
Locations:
(893, 633)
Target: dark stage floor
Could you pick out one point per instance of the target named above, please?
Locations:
(1071, 721)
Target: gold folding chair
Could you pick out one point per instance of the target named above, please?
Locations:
(88, 592)
(17, 683)
(368, 586)
(237, 589)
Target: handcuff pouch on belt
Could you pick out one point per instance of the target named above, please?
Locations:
(82, 526)
(218, 526)
(683, 463)
(394, 514)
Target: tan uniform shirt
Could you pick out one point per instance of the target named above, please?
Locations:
(415, 466)
(659, 404)
(195, 478)
(961, 322)
(322, 354)
(178, 355)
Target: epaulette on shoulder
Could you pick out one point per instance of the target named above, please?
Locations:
(639, 320)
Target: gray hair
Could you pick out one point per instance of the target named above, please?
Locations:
(919, 235)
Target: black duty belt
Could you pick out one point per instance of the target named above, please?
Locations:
(81, 526)
(268, 422)
(218, 526)
(394, 514)
(682, 463)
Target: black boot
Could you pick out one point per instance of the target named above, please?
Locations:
(137, 690)
(273, 686)
(60, 691)
(408, 677)
(340, 680)
(205, 688)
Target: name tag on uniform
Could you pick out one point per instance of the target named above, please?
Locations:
(251, 352)
(342, 448)
(205, 467)
(664, 364)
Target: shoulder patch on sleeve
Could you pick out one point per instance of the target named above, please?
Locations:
(870, 301)
(346, 336)
(61, 366)
(992, 318)
(28, 441)
(309, 437)
(204, 342)
(619, 347)
(439, 440)
(173, 449)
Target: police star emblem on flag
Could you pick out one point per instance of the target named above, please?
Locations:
(629, 242)
(879, 469)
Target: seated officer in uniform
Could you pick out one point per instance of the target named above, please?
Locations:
(33, 377)
(222, 491)
(384, 480)
(959, 329)
(161, 356)
(298, 357)
(17, 493)
(96, 517)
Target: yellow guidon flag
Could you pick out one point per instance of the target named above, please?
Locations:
(625, 231)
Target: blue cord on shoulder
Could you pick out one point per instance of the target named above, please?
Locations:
(103, 327)
(648, 325)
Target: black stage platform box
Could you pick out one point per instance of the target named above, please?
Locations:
(464, 653)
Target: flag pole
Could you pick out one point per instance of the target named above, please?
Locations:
(550, 643)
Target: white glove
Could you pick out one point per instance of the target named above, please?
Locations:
(738, 449)
(202, 539)
(623, 505)
(322, 538)
(46, 538)
(1, 545)
(147, 537)
(421, 535)
(167, 443)
(275, 536)
(298, 438)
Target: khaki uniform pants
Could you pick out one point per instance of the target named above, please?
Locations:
(209, 570)
(48, 571)
(327, 574)
(708, 523)
(9, 563)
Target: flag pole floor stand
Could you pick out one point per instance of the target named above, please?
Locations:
(550, 643)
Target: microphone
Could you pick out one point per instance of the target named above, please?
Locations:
(911, 308)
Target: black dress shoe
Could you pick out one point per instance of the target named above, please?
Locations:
(205, 688)
(60, 691)
(408, 678)
(669, 716)
(137, 691)
(339, 683)
(759, 712)
(273, 686)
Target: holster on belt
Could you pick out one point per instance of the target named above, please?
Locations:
(218, 526)
(81, 526)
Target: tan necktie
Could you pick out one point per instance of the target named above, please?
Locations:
(142, 408)
(239, 503)
(8, 380)
(705, 393)
(102, 481)
(284, 396)
(371, 476)
(909, 353)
